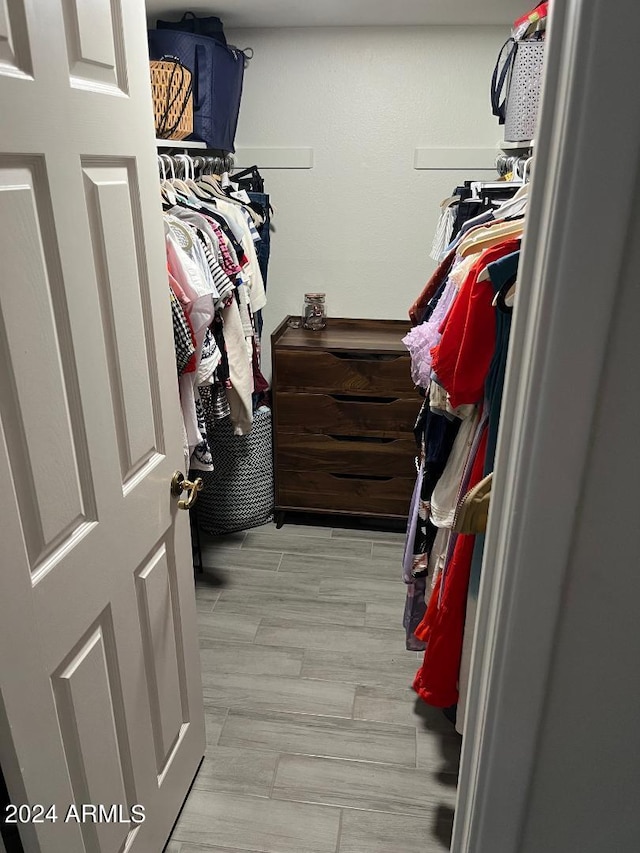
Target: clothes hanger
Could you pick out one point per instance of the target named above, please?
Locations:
(166, 190)
(169, 167)
(484, 274)
(207, 188)
(211, 183)
(257, 181)
(197, 163)
(494, 233)
(163, 177)
(479, 186)
(183, 192)
(505, 297)
(179, 184)
(510, 298)
(501, 209)
(515, 206)
(518, 204)
(211, 186)
(190, 183)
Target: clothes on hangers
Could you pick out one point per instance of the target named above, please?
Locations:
(502, 274)
(476, 199)
(442, 628)
(252, 183)
(458, 350)
(435, 437)
(216, 288)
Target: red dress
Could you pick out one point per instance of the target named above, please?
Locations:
(462, 358)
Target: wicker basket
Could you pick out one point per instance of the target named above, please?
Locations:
(172, 98)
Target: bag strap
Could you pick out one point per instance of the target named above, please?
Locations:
(498, 81)
(165, 131)
(188, 16)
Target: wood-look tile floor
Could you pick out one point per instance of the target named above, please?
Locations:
(315, 741)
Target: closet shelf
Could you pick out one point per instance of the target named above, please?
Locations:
(523, 145)
(179, 143)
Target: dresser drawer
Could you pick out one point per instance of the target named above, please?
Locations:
(335, 415)
(383, 457)
(332, 492)
(383, 375)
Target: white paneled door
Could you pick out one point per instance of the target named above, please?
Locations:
(100, 697)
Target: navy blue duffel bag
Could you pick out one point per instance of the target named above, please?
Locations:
(217, 72)
(190, 23)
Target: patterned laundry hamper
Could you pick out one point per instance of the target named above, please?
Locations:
(518, 83)
(239, 493)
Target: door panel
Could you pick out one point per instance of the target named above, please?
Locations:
(47, 455)
(87, 693)
(100, 693)
(14, 44)
(161, 654)
(95, 50)
(116, 260)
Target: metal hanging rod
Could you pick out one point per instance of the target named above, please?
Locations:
(518, 165)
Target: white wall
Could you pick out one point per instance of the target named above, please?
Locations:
(359, 225)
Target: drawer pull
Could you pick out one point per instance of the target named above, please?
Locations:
(362, 438)
(362, 477)
(362, 398)
(374, 358)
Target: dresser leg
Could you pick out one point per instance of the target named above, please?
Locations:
(279, 518)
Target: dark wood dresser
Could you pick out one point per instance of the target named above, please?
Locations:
(344, 411)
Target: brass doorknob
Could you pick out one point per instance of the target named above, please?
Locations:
(180, 485)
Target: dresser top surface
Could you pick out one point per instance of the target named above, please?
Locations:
(345, 335)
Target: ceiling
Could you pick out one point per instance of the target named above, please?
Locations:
(344, 13)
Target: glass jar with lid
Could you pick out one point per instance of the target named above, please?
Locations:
(314, 312)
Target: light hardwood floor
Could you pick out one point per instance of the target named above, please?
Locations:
(315, 741)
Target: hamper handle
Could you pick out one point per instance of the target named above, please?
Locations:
(498, 82)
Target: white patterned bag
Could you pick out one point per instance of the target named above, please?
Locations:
(239, 493)
(520, 78)
(523, 98)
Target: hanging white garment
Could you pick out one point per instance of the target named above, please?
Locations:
(445, 495)
(444, 232)
(240, 370)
